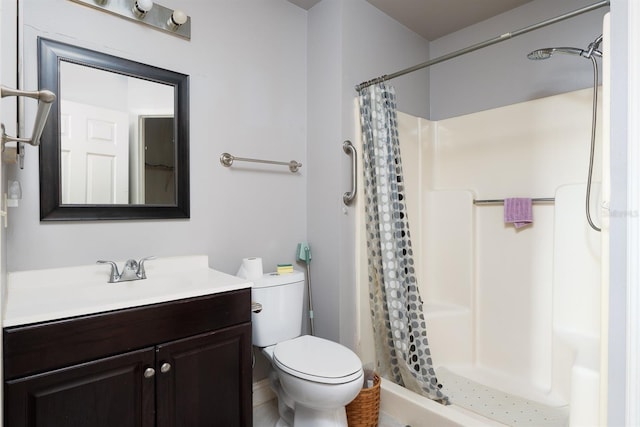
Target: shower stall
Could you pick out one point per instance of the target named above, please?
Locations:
(515, 317)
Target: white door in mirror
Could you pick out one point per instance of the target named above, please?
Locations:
(95, 154)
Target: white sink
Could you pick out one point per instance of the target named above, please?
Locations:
(42, 295)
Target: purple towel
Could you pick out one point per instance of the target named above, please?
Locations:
(518, 211)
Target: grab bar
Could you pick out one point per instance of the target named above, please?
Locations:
(348, 148)
(227, 160)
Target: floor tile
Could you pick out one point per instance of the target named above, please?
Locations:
(266, 415)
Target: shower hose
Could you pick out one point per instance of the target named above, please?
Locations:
(593, 142)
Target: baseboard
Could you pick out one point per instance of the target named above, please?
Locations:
(262, 392)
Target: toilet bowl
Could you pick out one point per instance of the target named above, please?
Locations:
(313, 378)
(319, 376)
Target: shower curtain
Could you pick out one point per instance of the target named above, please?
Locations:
(400, 336)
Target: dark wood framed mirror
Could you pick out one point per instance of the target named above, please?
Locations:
(116, 145)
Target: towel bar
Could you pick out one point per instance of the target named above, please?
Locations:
(227, 160)
(501, 201)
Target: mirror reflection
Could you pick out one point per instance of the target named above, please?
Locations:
(117, 144)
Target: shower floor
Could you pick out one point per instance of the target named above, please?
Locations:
(501, 406)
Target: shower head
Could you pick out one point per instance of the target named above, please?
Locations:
(592, 50)
(549, 51)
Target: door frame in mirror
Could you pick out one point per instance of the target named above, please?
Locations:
(50, 53)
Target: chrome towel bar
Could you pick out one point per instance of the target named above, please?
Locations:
(501, 201)
(227, 160)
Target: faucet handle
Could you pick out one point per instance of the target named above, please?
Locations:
(130, 265)
(115, 275)
(141, 273)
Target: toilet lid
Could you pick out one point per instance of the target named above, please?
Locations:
(317, 359)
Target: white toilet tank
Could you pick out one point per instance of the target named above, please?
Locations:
(281, 296)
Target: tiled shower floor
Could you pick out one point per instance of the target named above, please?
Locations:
(500, 406)
(266, 415)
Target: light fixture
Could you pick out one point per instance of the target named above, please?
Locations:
(176, 19)
(141, 7)
(146, 12)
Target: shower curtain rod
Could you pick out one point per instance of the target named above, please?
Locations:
(498, 39)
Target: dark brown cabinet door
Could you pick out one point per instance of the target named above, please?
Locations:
(109, 392)
(206, 380)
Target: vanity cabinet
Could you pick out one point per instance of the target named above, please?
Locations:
(107, 392)
(180, 363)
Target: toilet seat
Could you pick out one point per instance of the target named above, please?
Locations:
(316, 359)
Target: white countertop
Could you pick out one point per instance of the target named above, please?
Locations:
(43, 295)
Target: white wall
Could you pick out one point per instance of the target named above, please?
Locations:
(93, 86)
(247, 66)
(619, 223)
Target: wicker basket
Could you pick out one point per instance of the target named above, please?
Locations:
(364, 410)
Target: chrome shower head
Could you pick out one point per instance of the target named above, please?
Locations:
(592, 50)
(548, 51)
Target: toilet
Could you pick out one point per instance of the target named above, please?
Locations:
(313, 378)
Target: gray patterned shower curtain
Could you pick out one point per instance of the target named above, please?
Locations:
(402, 348)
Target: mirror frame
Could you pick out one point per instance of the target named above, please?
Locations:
(50, 53)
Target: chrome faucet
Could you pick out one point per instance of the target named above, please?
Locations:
(132, 270)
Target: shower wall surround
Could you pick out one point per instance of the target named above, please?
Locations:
(518, 310)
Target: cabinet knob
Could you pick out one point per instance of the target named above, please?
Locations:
(166, 367)
(149, 372)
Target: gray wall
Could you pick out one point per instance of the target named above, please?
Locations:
(349, 41)
(268, 80)
(8, 110)
(247, 66)
(501, 74)
(8, 116)
(271, 80)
